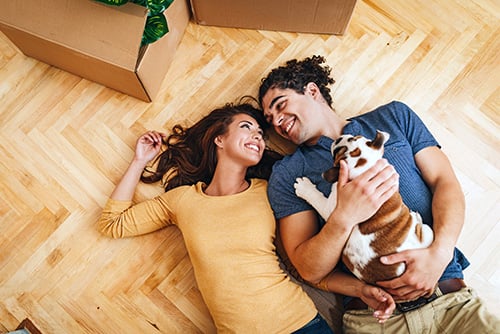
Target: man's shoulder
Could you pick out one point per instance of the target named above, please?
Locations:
(393, 107)
(290, 163)
(297, 156)
(386, 117)
(301, 157)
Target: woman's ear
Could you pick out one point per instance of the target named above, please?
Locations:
(218, 141)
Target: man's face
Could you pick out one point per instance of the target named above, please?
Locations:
(292, 114)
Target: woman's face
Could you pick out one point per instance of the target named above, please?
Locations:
(243, 143)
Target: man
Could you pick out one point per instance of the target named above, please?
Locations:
(296, 100)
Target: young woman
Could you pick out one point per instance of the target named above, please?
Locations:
(215, 194)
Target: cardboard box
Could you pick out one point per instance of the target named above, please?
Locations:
(310, 16)
(96, 41)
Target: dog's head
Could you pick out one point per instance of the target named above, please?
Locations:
(359, 152)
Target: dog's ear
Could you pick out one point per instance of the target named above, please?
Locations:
(338, 154)
(379, 140)
(332, 174)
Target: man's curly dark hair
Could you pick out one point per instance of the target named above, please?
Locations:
(297, 74)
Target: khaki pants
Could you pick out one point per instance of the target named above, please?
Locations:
(457, 312)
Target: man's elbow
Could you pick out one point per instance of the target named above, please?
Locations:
(310, 276)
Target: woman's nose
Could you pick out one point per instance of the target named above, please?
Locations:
(257, 135)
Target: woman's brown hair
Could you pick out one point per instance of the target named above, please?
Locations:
(190, 154)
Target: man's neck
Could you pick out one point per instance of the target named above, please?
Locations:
(331, 126)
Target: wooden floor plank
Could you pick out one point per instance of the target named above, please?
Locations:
(65, 142)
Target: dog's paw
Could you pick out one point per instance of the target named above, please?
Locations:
(303, 186)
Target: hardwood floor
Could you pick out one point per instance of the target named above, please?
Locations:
(65, 142)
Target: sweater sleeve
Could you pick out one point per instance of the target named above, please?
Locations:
(121, 219)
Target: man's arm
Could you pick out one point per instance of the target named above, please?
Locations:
(425, 266)
(313, 252)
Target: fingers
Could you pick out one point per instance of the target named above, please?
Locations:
(381, 172)
(148, 146)
(393, 258)
(382, 316)
(153, 137)
(412, 295)
(403, 290)
(386, 178)
(380, 181)
(386, 306)
(343, 173)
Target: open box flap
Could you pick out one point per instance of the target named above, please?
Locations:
(156, 62)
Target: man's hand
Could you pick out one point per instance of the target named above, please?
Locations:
(379, 300)
(423, 269)
(360, 198)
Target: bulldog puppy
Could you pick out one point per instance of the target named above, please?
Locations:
(393, 228)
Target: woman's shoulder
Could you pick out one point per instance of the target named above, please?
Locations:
(183, 190)
(258, 182)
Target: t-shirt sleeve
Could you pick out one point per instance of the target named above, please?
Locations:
(121, 219)
(416, 132)
(281, 191)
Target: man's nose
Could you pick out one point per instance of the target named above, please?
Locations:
(278, 120)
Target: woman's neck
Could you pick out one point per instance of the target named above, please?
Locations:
(228, 182)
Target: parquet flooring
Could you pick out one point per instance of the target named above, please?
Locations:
(65, 141)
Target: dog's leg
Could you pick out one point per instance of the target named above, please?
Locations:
(419, 236)
(306, 190)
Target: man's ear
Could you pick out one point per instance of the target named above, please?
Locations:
(313, 89)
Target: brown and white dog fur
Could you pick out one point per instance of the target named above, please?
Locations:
(393, 228)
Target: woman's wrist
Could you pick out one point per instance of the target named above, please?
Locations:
(139, 162)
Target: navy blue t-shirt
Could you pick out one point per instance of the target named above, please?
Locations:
(408, 135)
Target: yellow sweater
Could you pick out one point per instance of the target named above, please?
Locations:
(230, 243)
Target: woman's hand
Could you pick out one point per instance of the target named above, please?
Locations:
(379, 300)
(148, 146)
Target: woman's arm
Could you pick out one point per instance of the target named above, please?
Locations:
(147, 148)
(119, 219)
(348, 285)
